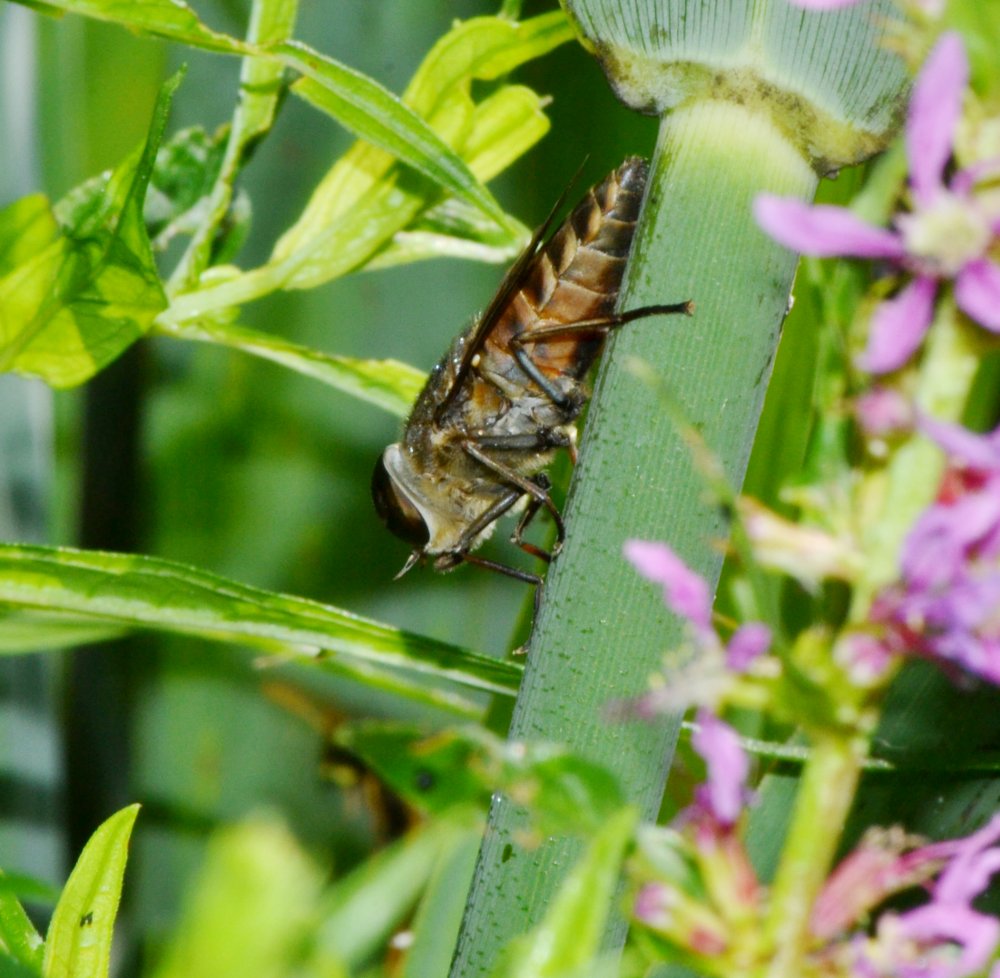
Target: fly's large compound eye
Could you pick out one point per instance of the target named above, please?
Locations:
(396, 511)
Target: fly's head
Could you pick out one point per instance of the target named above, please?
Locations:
(421, 509)
(396, 509)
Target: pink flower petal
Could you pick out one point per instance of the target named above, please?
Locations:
(725, 791)
(935, 106)
(970, 936)
(684, 592)
(898, 326)
(883, 411)
(973, 864)
(823, 230)
(977, 292)
(746, 644)
(975, 450)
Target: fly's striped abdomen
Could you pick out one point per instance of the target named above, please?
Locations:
(576, 277)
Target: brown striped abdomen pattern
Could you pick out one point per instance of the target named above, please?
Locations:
(577, 276)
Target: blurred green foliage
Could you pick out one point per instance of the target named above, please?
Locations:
(258, 473)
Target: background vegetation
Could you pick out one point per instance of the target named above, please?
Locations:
(203, 455)
(220, 460)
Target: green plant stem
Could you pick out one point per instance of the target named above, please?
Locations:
(826, 792)
(602, 630)
(260, 82)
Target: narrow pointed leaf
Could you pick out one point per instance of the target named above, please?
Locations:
(388, 384)
(366, 197)
(78, 943)
(173, 20)
(375, 114)
(18, 937)
(144, 592)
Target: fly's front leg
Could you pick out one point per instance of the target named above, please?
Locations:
(462, 555)
(482, 521)
(527, 486)
(519, 575)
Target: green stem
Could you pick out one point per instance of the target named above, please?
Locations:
(602, 630)
(824, 798)
(260, 83)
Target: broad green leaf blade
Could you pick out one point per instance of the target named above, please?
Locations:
(18, 937)
(388, 384)
(170, 19)
(78, 943)
(733, 131)
(250, 910)
(569, 937)
(135, 591)
(827, 78)
(92, 289)
(697, 240)
(373, 113)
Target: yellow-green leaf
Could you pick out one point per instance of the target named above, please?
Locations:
(78, 944)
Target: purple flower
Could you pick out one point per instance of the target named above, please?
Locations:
(724, 794)
(946, 234)
(685, 593)
(947, 604)
(883, 411)
(747, 643)
(946, 937)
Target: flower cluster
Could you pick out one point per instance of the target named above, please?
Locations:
(946, 605)
(948, 233)
(698, 891)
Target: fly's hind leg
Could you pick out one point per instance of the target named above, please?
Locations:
(550, 329)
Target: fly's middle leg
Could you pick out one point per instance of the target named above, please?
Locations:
(528, 487)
